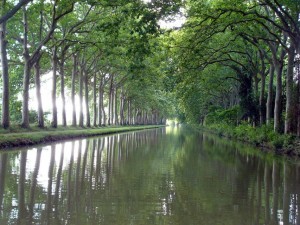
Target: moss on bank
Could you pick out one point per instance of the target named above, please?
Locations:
(23, 137)
(263, 137)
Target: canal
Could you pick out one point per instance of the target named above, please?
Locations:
(172, 175)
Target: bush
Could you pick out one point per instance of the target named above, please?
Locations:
(227, 116)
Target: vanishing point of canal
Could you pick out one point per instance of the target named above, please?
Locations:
(173, 176)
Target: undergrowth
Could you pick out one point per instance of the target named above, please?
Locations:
(263, 136)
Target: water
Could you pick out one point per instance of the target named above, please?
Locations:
(162, 176)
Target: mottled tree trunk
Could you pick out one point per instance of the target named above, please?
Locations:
(100, 102)
(278, 97)
(121, 107)
(255, 79)
(289, 91)
(74, 72)
(102, 105)
(95, 101)
(54, 80)
(116, 106)
(262, 104)
(81, 94)
(88, 117)
(5, 77)
(26, 77)
(110, 103)
(62, 89)
(128, 112)
(298, 96)
(38, 94)
(278, 67)
(4, 71)
(270, 95)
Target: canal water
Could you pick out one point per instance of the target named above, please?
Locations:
(171, 175)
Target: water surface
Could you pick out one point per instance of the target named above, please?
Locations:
(161, 176)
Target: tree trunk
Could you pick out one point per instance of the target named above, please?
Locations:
(255, 79)
(100, 102)
(74, 72)
(121, 107)
(102, 105)
(62, 90)
(88, 117)
(4, 71)
(278, 67)
(95, 100)
(81, 94)
(289, 91)
(262, 103)
(270, 95)
(110, 104)
(26, 78)
(38, 94)
(54, 79)
(128, 112)
(278, 97)
(116, 106)
(298, 93)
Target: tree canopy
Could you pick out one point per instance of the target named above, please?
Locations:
(231, 61)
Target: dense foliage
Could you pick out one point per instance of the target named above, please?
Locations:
(104, 53)
(238, 62)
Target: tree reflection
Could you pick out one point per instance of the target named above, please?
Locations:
(34, 183)
(3, 162)
(275, 185)
(21, 188)
(59, 177)
(151, 177)
(69, 184)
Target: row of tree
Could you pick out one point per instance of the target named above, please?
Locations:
(105, 52)
(240, 54)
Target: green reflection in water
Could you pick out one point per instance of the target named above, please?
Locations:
(162, 176)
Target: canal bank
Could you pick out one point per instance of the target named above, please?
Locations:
(27, 137)
(262, 137)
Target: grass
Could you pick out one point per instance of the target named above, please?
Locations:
(16, 136)
(263, 136)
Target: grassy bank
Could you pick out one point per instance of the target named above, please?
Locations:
(22, 137)
(263, 137)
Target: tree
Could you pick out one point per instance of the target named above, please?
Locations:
(4, 69)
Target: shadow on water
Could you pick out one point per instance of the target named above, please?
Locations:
(161, 176)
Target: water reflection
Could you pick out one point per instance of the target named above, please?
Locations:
(162, 176)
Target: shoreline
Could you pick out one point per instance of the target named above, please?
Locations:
(291, 151)
(44, 136)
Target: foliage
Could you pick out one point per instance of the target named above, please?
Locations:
(229, 116)
(263, 136)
